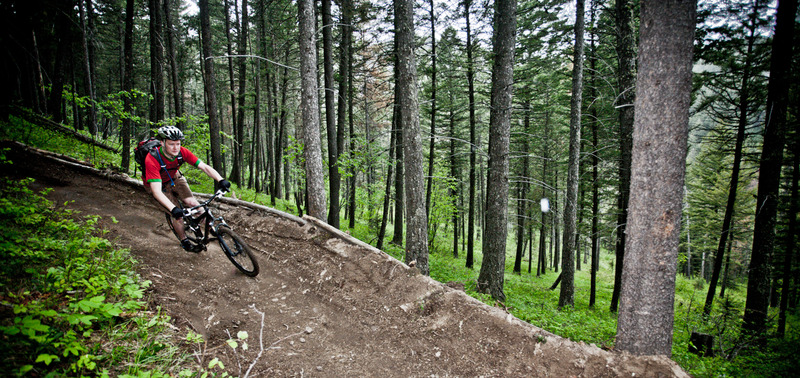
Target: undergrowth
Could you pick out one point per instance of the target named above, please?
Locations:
(72, 304)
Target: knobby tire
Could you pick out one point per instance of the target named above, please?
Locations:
(237, 251)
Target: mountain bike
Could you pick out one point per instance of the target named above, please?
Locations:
(231, 243)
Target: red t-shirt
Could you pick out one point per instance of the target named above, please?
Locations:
(153, 171)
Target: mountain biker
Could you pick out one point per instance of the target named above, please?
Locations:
(168, 185)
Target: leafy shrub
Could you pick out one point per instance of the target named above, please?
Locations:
(65, 292)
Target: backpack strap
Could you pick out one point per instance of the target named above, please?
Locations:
(157, 154)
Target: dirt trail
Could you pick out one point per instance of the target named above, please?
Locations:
(332, 306)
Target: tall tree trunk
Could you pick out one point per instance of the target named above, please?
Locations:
(541, 265)
(234, 174)
(39, 99)
(417, 230)
(156, 62)
(794, 209)
(388, 192)
(238, 163)
(595, 249)
(87, 64)
(659, 156)
(281, 140)
(627, 96)
(556, 244)
(454, 173)
(255, 171)
(688, 247)
(744, 104)
(472, 141)
(727, 265)
(432, 143)
(755, 312)
(343, 96)
(63, 34)
(177, 99)
(92, 61)
(399, 175)
(351, 169)
(127, 85)
(523, 193)
(567, 294)
(312, 150)
(491, 277)
(370, 174)
(334, 179)
(211, 88)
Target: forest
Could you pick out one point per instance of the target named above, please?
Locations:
(659, 136)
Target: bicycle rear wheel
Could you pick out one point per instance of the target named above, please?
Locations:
(237, 251)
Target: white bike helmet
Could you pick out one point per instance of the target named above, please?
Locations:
(170, 132)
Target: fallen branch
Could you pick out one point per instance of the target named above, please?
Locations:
(55, 126)
(558, 281)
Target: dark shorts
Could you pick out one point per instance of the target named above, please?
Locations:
(176, 193)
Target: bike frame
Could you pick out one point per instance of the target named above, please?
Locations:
(212, 224)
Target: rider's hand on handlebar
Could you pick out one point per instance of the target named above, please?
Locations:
(224, 185)
(177, 212)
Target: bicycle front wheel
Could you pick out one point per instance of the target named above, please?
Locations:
(237, 251)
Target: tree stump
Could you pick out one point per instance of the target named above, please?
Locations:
(701, 344)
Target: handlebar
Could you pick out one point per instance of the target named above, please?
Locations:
(196, 209)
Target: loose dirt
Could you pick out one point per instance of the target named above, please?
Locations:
(324, 304)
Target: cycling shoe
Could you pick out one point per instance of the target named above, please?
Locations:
(191, 247)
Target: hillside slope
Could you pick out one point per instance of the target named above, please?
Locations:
(324, 303)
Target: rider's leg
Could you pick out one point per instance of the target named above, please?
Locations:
(179, 228)
(174, 193)
(177, 224)
(181, 190)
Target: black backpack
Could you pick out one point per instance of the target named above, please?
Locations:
(150, 146)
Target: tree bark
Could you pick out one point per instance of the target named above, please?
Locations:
(522, 209)
(794, 209)
(347, 20)
(595, 249)
(755, 312)
(744, 105)
(330, 113)
(87, 64)
(417, 230)
(454, 173)
(659, 156)
(231, 87)
(432, 143)
(127, 85)
(627, 96)
(388, 191)
(156, 62)
(472, 141)
(567, 295)
(399, 175)
(63, 35)
(211, 88)
(343, 95)
(238, 164)
(312, 150)
(177, 99)
(491, 278)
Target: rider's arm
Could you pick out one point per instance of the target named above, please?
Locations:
(210, 171)
(155, 186)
